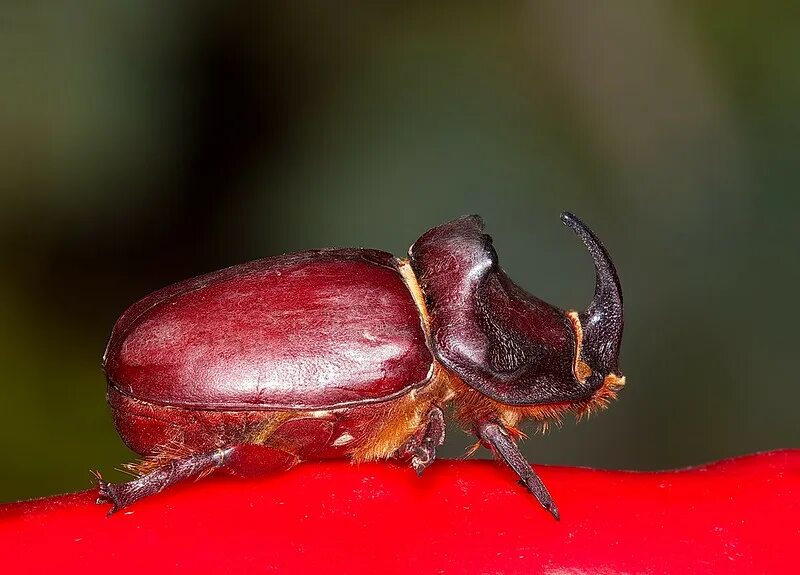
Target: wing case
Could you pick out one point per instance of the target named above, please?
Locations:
(310, 330)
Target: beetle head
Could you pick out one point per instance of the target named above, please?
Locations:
(602, 321)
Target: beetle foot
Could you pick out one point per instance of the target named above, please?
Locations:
(105, 493)
(106, 496)
(422, 458)
(423, 450)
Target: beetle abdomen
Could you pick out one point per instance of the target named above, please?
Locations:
(364, 432)
(313, 330)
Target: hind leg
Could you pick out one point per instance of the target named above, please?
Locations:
(242, 460)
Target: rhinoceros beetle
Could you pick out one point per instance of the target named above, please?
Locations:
(353, 353)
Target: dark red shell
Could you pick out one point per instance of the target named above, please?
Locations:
(502, 341)
(311, 330)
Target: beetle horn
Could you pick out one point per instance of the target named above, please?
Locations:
(602, 321)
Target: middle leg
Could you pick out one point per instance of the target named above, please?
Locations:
(422, 445)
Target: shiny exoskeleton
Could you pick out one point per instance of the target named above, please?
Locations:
(353, 353)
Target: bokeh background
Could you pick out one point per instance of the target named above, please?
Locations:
(145, 142)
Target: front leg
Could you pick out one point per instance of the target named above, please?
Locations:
(501, 443)
(422, 445)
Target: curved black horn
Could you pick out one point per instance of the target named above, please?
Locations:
(602, 321)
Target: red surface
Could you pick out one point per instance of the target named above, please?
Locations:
(312, 329)
(736, 516)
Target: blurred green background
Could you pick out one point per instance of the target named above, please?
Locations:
(145, 142)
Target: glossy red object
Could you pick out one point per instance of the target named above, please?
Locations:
(735, 516)
(312, 330)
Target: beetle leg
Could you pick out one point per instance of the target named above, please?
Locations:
(422, 445)
(498, 438)
(244, 459)
(123, 494)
